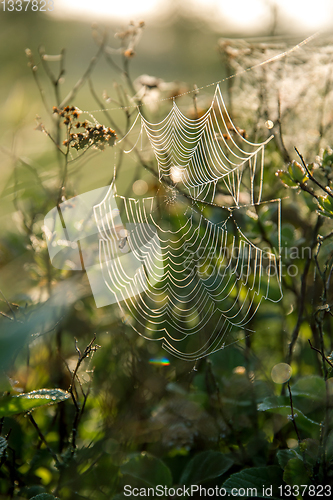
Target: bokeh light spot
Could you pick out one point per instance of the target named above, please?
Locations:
(140, 187)
(281, 373)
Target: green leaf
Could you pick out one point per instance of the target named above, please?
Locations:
(310, 449)
(12, 405)
(284, 456)
(147, 470)
(329, 446)
(273, 402)
(297, 172)
(312, 386)
(326, 206)
(325, 214)
(303, 422)
(204, 466)
(309, 394)
(286, 179)
(285, 410)
(295, 473)
(327, 155)
(259, 479)
(326, 203)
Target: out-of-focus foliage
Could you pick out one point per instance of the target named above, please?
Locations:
(117, 418)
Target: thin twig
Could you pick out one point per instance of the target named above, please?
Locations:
(85, 76)
(101, 106)
(324, 188)
(301, 305)
(293, 416)
(8, 304)
(90, 348)
(321, 354)
(6, 316)
(285, 154)
(40, 434)
(34, 69)
(307, 189)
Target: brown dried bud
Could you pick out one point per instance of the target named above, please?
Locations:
(129, 53)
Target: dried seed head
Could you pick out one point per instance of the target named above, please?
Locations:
(129, 53)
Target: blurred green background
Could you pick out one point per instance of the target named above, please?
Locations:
(226, 420)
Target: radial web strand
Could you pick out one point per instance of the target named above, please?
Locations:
(197, 154)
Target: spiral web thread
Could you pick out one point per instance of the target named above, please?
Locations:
(198, 280)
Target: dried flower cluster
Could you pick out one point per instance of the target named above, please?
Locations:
(92, 135)
(130, 38)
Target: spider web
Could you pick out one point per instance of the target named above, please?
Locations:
(198, 153)
(199, 279)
